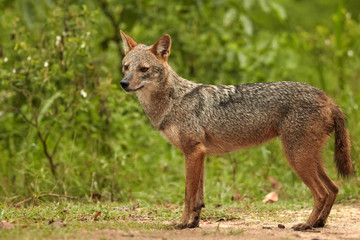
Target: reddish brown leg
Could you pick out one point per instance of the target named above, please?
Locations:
(194, 164)
(318, 190)
(199, 203)
(333, 190)
(303, 152)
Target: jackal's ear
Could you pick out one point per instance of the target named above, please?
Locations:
(161, 48)
(128, 42)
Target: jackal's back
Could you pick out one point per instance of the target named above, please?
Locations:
(226, 118)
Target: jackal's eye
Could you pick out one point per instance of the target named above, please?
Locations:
(126, 67)
(144, 69)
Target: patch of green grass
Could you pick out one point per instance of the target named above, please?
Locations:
(38, 221)
(236, 232)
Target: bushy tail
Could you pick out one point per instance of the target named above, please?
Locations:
(343, 161)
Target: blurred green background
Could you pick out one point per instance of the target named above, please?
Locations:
(66, 126)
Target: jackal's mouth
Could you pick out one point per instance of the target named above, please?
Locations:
(139, 88)
(133, 90)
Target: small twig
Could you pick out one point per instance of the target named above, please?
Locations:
(48, 155)
(50, 127)
(57, 143)
(24, 116)
(43, 195)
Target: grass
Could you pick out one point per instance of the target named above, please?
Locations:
(66, 219)
(62, 219)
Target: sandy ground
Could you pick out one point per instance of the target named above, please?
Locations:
(343, 223)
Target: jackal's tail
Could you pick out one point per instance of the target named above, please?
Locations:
(343, 161)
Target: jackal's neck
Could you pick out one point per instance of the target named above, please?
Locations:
(157, 102)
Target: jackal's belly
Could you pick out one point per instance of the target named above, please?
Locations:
(218, 142)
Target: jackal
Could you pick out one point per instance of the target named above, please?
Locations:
(202, 119)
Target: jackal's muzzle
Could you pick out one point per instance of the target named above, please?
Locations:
(124, 84)
(125, 81)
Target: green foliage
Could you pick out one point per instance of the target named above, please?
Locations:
(67, 128)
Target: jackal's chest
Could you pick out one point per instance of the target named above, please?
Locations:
(171, 134)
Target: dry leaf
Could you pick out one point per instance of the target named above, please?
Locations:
(237, 197)
(6, 225)
(170, 205)
(275, 184)
(59, 224)
(271, 197)
(96, 215)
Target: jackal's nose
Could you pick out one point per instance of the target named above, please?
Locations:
(124, 84)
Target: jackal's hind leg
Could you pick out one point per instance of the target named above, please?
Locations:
(333, 190)
(303, 152)
(320, 193)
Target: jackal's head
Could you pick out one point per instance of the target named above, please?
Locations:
(144, 66)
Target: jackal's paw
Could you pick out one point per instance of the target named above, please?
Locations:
(180, 226)
(193, 224)
(301, 227)
(319, 223)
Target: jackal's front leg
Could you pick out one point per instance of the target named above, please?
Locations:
(194, 165)
(199, 202)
